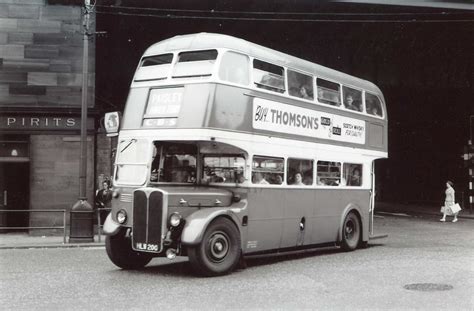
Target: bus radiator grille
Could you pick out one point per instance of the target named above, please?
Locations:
(147, 221)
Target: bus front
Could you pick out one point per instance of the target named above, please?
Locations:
(167, 164)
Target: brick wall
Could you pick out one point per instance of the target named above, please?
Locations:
(41, 55)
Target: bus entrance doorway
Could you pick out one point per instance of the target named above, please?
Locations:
(14, 195)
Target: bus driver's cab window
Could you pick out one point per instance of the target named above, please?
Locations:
(173, 162)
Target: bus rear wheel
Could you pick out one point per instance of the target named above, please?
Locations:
(351, 232)
(219, 251)
(119, 249)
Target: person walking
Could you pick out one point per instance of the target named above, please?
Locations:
(449, 202)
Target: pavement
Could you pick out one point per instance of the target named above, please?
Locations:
(20, 240)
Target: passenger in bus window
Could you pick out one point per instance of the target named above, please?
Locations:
(259, 179)
(279, 180)
(305, 92)
(298, 179)
(355, 178)
(350, 103)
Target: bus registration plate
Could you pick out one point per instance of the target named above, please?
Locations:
(146, 247)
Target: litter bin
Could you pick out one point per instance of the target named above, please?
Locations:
(81, 223)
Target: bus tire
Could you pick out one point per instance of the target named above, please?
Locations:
(351, 232)
(219, 250)
(119, 249)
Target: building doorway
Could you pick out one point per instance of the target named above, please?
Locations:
(14, 195)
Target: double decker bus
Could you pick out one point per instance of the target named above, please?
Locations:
(227, 149)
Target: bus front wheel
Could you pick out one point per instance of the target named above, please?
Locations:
(351, 232)
(219, 251)
(119, 249)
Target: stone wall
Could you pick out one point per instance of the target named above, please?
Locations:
(41, 55)
(54, 175)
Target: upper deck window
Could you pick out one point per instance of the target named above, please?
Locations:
(300, 85)
(156, 67)
(373, 105)
(268, 76)
(234, 68)
(352, 98)
(328, 92)
(195, 64)
(156, 60)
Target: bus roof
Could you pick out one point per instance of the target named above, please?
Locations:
(201, 41)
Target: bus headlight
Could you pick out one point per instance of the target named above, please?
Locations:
(122, 216)
(175, 219)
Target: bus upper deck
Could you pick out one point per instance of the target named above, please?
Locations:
(219, 82)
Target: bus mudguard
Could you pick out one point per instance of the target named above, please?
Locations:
(197, 223)
(363, 221)
(110, 226)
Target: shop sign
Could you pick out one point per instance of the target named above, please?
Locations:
(45, 123)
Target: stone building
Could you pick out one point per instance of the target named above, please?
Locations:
(41, 52)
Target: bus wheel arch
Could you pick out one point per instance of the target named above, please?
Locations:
(219, 250)
(120, 252)
(351, 230)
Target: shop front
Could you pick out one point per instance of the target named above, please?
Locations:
(39, 169)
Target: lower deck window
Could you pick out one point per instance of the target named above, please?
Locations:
(299, 172)
(328, 173)
(224, 169)
(267, 170)
(352, 174)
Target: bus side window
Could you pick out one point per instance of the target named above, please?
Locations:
(300, 85)
(234, 68)
(328, 173)
(268, 76)
(352, 98)
(373, 105)
(299, 172)
(352, 174)
(267, 170)
(328, 92)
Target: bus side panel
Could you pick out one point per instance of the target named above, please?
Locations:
(265, 212)
(329, 207)
(297, 217)
(232, 109)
